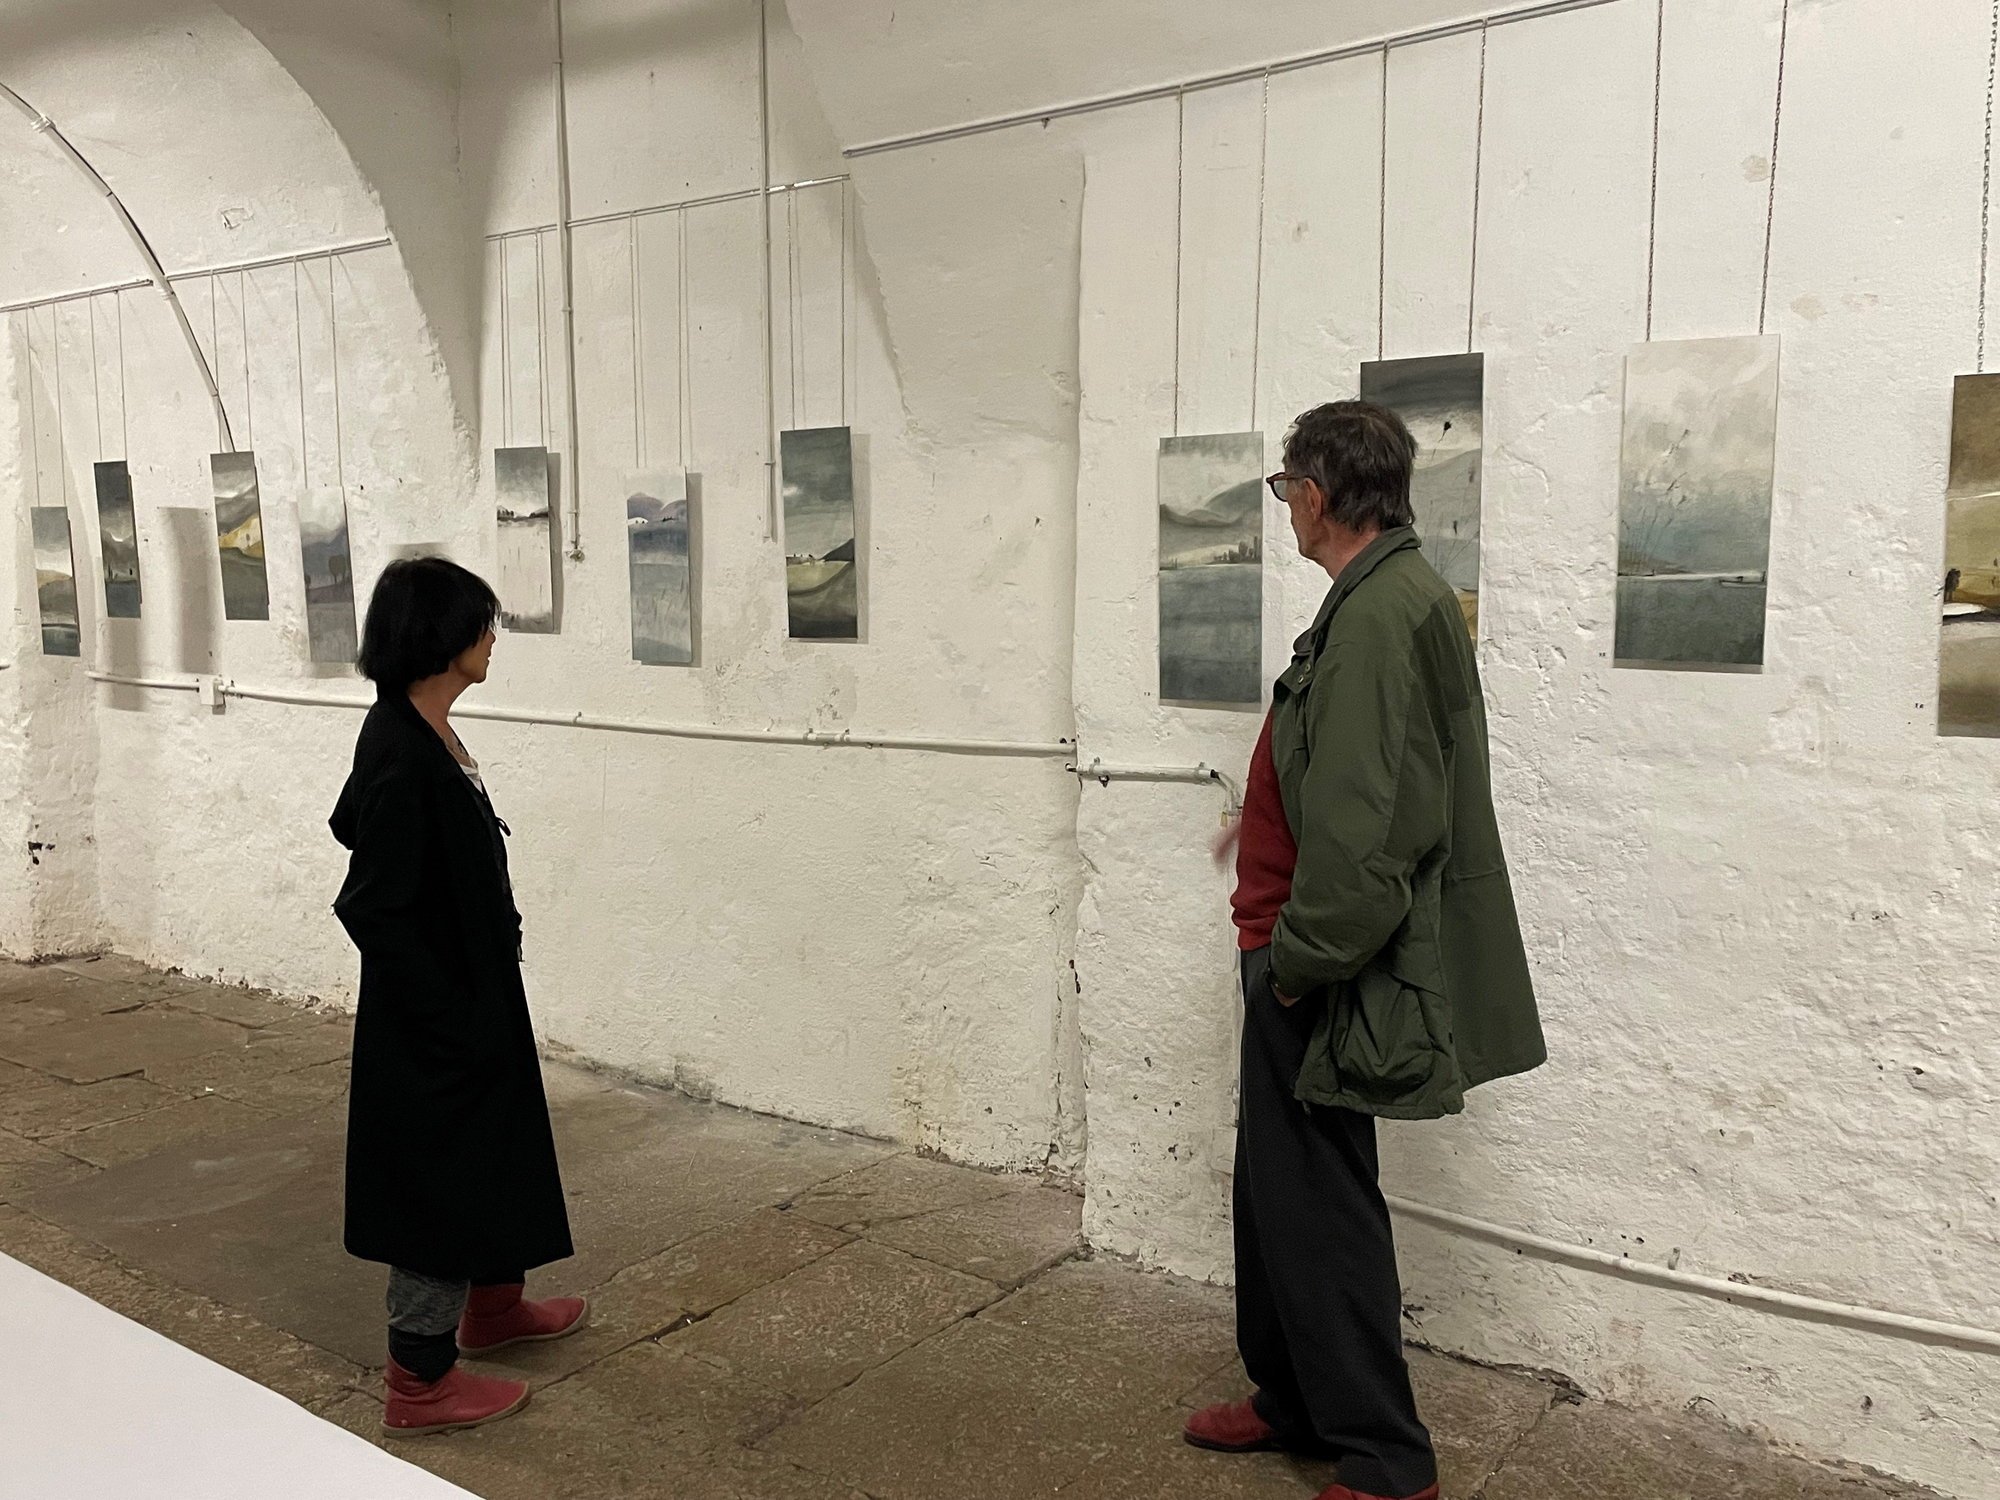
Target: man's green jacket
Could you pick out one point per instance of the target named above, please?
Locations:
(1401, 924)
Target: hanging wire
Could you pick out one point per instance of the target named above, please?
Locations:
(333, 362)
(844, 232)
(684, 401)
(62, 446)
(299, 359)
(541, 347)
(507, 344)
(638, 368)
(1257, 297)
(794, 303)
(1180, 180)
(1771, 198)
(124, 427)
(214, 327)
(243, 332)
(1986, 181)
(96, 389)
(27, 329)
(1382, 225)
(1653, 212)
(1478, 170)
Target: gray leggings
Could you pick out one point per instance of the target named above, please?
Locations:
(423, 1304)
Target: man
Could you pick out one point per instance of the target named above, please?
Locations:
(1383, 972)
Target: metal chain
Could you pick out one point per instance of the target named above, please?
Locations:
(1986, 182)
(1653, 212)
(1771, 198)
(1478, 170)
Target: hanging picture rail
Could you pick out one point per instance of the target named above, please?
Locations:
(1249, 74)
(678, 205)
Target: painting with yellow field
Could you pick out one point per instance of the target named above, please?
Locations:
(239, 536)
(1969, 594)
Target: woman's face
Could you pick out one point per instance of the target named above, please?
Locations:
(474, 660)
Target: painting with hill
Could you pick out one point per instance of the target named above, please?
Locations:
(1694, 506)
(118, 540)
(329, 574)
(662, 546)
(1969, 653)
(55, 581)
(822, 584)
(527, 576)
(1211, 583)
(239, 536)
(1441, 400)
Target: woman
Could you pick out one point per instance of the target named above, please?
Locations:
(451, 1166)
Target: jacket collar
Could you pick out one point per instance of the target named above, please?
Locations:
(398, 705)
(1367, 560)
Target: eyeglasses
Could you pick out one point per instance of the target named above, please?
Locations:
(1277, 483)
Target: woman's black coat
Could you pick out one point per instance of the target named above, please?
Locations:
(451, 1165)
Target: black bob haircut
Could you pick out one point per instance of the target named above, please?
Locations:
(1360, 455)
(424, 614)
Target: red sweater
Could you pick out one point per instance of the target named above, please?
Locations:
(1267, 854)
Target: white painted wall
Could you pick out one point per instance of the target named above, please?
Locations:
(1756, 904)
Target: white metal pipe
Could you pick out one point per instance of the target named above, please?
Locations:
(566, 271)
(1814, 1309)
(156, 273)
(618, 216)
(1218, 80)
(1104, 774)
(190, 273)
(158, 684)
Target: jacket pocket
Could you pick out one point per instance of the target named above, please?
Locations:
(1382, 1039)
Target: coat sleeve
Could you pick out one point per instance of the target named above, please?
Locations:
(1371, 806)
(382, 903)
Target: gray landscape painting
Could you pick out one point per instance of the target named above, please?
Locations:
(822, 588)
(1969, 656)
(329, 574)
(239, 536)
(527, 581)
(1212, 569)
(1440, 399)
(55, 581)
(1694, 509)
(118, 537)
(659, 531)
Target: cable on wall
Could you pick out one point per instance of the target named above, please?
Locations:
(41, 124)
(1653, 208)
(1382, 224)
(1771, 197)
(1257, 296)
(1986, 181)
(1478, 171)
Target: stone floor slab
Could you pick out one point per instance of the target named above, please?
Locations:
(1178, 1331)
(899, 1188)
(820, 1327)
(1476, 1416)
(685, 1404)
(186, 1120)
(27, 1167)
(1005, 1239)
(1156, 1464)
(93, 1048)
(248, 1059)
(1598, 1452)
(59, 1108)
(1016, 1415)
(301, 1091)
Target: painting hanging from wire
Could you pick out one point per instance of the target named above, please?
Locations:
(55, 581)
(329, 574)
(527, 582)
(1211, 521)
(239, 536)
(1969, 654)
(1441, 400)
(118, 540)
(822, 585)
(1694, 506)
(664, 550)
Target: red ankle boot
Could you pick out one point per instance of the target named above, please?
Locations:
(496, 1316)
(416, 1407)
(1231, 1427)
(1342, 1492)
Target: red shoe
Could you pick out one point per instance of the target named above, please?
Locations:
(1342, 1492)
(1231, 1427)
(496, 1316)
(416, 1407)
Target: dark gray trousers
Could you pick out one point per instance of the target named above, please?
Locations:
(1318, 1300)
